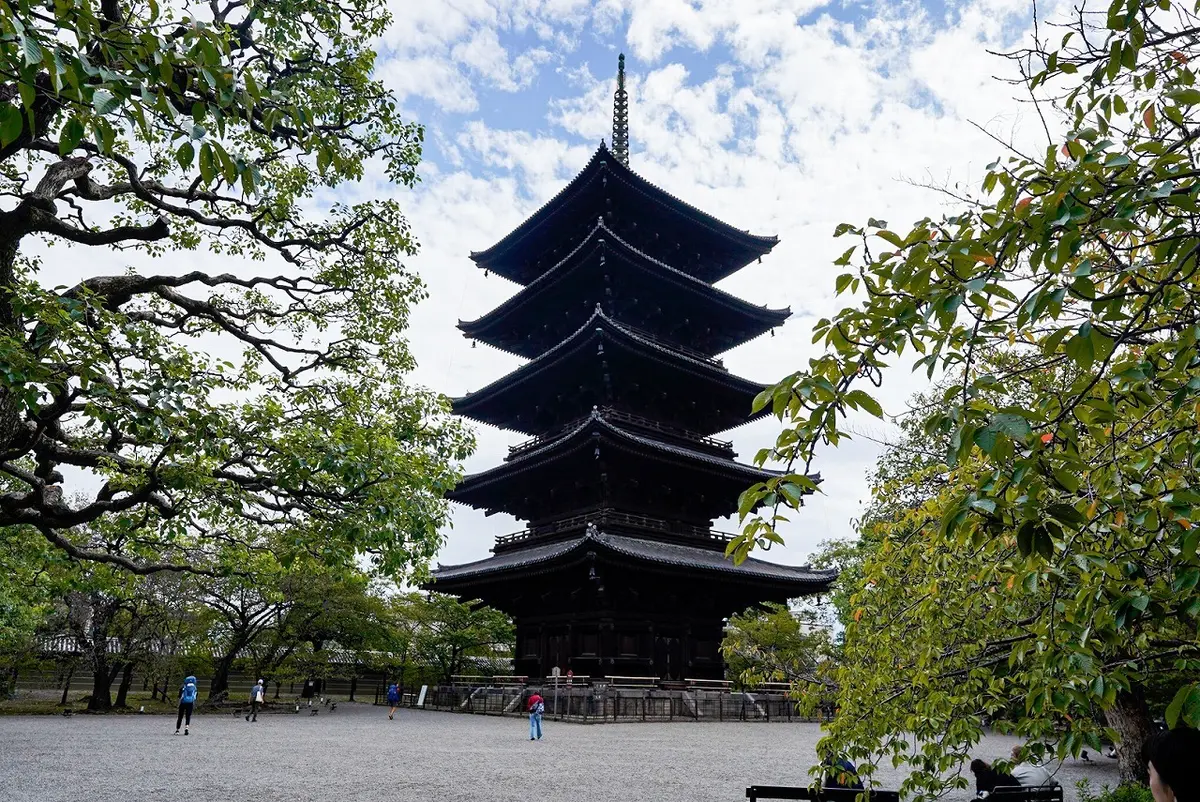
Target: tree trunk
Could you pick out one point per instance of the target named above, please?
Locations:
(1130, 717)
(67, 682)
(102, 679)
(220, 678)
(8, 682)
(123, 689)
(353, 686)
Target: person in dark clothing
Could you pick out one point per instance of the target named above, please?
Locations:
(1171, 757)
(987, 779)
(187, 703)
(841, 773)
(393, 700)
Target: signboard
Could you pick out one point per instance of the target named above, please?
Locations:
(554, 672)
(421, 698)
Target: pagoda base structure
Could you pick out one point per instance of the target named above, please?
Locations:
(605, 602)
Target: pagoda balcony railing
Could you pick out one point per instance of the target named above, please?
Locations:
(614, 518)
(671, 345)
(636, 421)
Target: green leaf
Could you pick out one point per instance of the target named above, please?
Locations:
(1067, 480)
(12, 123)
(104, 102)
(1185, 97)
(984, 505)
(1011, 425)
(844, 259)
(1025, 538)
(1080, 349)
(1067, 514)
(1184, 707)
(71, 135)
(1043, 543)
(863, 400)
(31, 49)
(187, 153)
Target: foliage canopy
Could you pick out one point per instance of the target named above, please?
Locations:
(1057, 569)
(194, 408)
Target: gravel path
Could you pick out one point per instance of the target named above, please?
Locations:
(356, 755)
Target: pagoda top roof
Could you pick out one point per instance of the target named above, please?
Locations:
(582, 436)
(603, 236)
(649, 552)
(600, 325)
(509, 256)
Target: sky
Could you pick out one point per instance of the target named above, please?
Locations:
(783, 117)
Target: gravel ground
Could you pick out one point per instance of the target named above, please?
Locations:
(356, 755)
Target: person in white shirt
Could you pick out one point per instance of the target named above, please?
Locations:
(1029, 774)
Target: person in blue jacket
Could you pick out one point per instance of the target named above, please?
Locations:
(187, 703)
(258, 695)
(393, 699)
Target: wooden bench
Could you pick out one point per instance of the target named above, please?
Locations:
(1039, 793)
(756, 792)
(1002, 794)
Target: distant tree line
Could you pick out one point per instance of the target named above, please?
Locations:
(285, 624)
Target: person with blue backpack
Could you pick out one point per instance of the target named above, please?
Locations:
(537, 706)
(393, 700)
(187, 703)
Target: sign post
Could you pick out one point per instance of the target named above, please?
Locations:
(554, 672)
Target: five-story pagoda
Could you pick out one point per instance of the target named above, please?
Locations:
(619, 572)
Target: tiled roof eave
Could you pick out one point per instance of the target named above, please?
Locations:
(540, 559)
(580, 338)
(754, 242)
(562, 268)
(563, 446)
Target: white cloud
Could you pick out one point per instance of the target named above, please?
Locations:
(807, 122)
(802, 127)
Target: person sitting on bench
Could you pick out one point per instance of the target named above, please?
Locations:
(841, 773)
(1030, 774)
(987, 779)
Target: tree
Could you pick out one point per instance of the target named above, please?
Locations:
(91, 614)
(1077, 507)
(448, 633)
(244, 606)
(30, 579)
(776, 644)
(214, 127)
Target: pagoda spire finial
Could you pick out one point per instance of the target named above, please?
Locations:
(620, 134)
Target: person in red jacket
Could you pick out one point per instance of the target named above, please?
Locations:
(537, 706)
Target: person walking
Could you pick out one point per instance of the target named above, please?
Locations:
(187, 703)
(393, 699)
(257, 696)
(537, 706)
